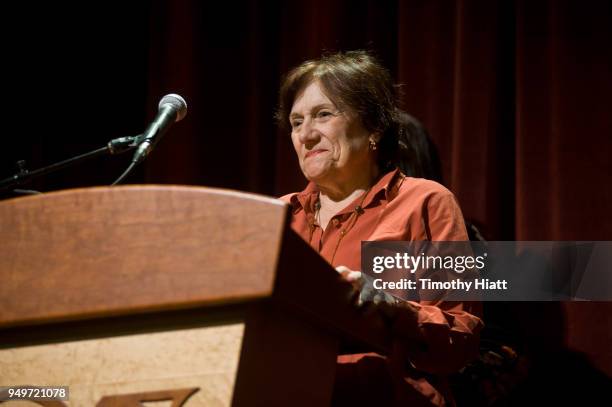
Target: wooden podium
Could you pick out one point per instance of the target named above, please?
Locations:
(146, 293)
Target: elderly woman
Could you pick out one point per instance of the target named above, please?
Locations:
(351, 142)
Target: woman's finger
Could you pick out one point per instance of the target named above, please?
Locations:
(348, 274)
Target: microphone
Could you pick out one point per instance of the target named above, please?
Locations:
(172, 108)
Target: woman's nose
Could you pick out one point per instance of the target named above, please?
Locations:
(308, 132)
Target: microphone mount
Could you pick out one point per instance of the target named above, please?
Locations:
(113, 147)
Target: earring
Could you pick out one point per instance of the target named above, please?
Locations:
(373, 145)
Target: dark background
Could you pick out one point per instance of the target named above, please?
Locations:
(516, 96)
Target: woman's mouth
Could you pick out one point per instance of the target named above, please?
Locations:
(312, 153)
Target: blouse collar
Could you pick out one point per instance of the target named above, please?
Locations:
(387, 186)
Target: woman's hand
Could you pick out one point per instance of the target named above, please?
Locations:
(364, 292)
(402, 316)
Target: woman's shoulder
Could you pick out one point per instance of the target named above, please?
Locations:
(413, 188)
(432, 204)
(426, 195)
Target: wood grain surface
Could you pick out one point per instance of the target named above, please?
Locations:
(109, 251)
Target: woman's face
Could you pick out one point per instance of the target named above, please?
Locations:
(332, 146)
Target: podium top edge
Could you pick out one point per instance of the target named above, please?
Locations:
(191, 189)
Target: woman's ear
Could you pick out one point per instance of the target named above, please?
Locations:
(375, 137)
(373, 141)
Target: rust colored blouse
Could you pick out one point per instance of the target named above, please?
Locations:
(443, 336)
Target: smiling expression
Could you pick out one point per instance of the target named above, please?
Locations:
(332, 145)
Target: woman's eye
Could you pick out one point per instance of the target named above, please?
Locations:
(296, 123)
(324, 114)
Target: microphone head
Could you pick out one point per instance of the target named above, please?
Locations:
(177, 103)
